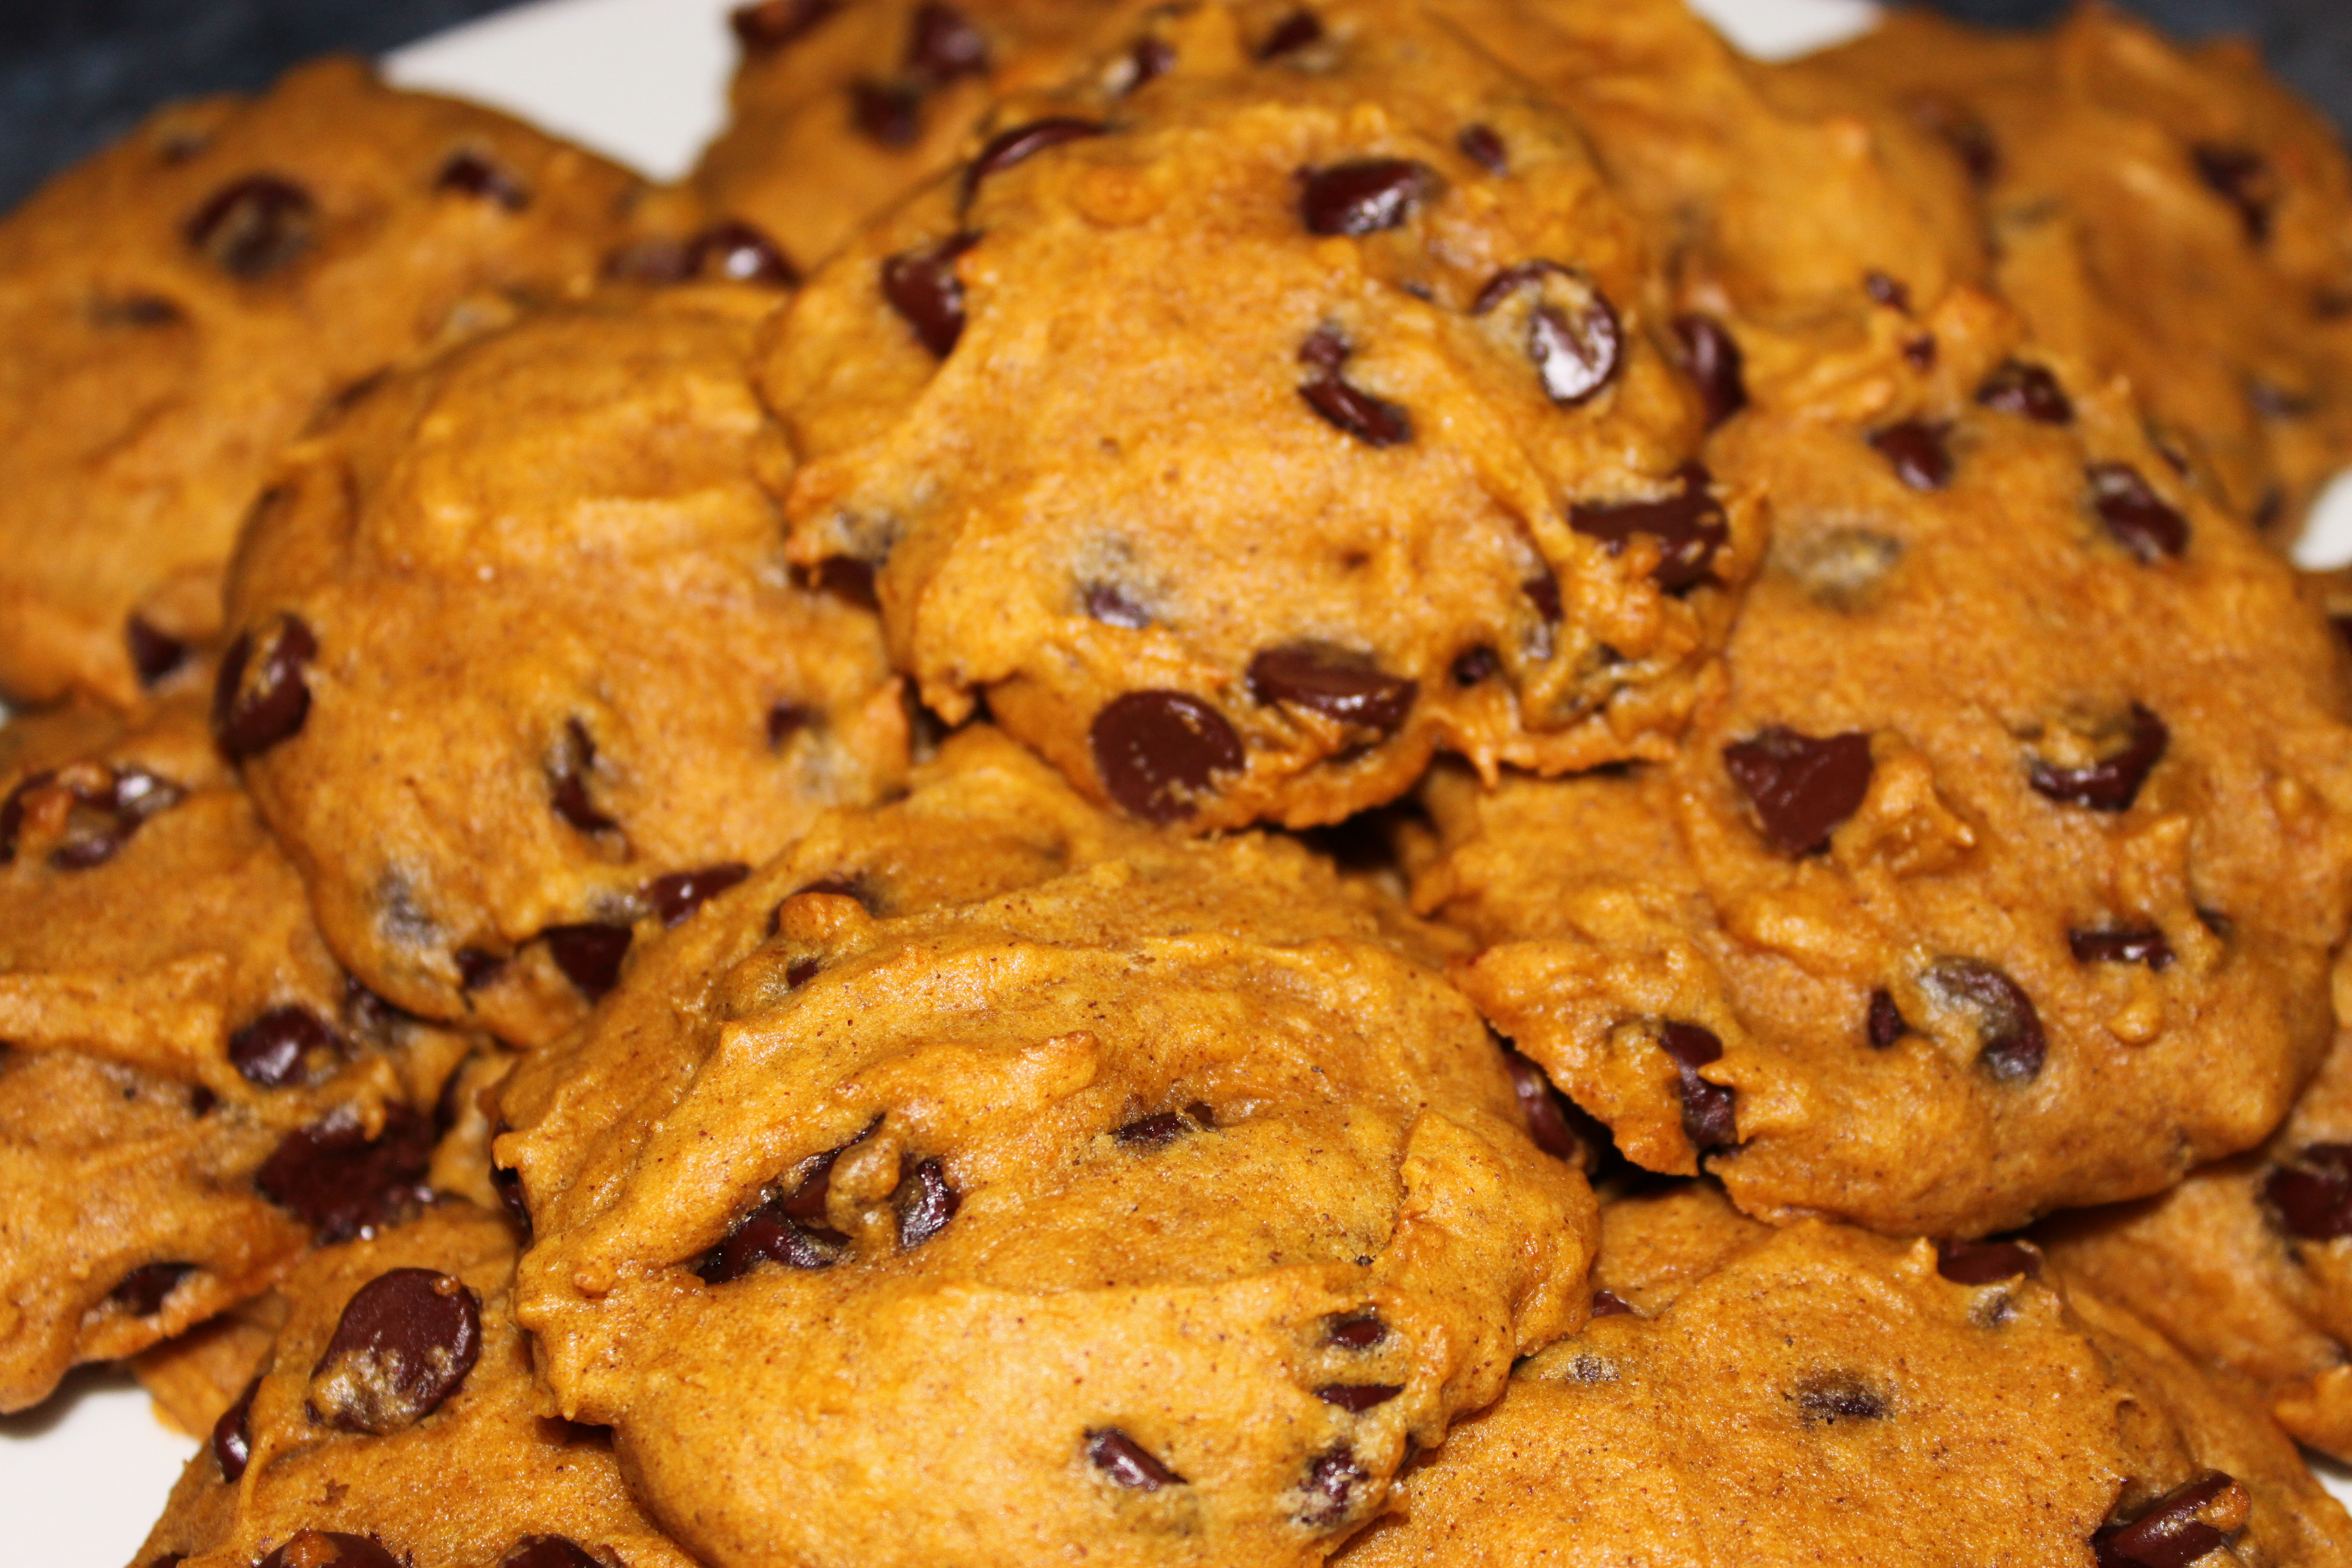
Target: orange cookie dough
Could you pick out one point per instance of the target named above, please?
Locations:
(518, 659)
(395, 1423)
(989, 1180)
(191, 1088)
(2004, 876)
(1247, 432)
(177, 306)
(1822, 1395)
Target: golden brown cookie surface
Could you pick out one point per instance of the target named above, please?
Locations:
(1246, 436)
(1156, 1186)
(518, 661)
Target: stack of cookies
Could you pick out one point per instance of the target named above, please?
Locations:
(1203, 783)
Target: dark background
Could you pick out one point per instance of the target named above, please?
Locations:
(76, 73)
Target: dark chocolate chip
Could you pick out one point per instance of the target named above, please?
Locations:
(141, 1292)
(1364, 196)
(509, 1185)
(589, 954)
(1801, 787)
(1474, 665)
(2242, 178)
(735, 252)
(153, 654)
(943, 45)
(334, 1178)
(1022, 143)
(1292, 33)
(1917, 450)
(1986, 1262)
(1609, 1304)
(923, 287)
(1159, 752)
(1110, 604)
(889, 114)
(1886, 1024)
(848, 579)
(1689, 524)
(1919, 352)
(567, 780)
(1574, 338)
(2028, 391)
(255, 227)
(1152, 1131)
(404, 1344)
(2012, 1046)
(475, 968)
(1336, 682)
(330, 1549)
(1342, 405)
(788, 1228)
(548, 1550)
(1831, 1397)
(925, 1202)
(800, 972)
(1358, 1397)
(1707, 1108)
(1359, 1330)
(786, 720)
(2122, 944)
(1710, 356)
(2136, 517)
(201, 1100)
(469, 174)
(278, 1048)
(2113, 782)
(680, 894)
(771, 25)
(262, 700)
(2169, 1535)
(1149, 60)
(2311, 1194)
(1482, 146)
(1542, 1108)
(1887, 291)
(1543, 593)
(1330, 1487)
(232, 1442)
(1126, 1462)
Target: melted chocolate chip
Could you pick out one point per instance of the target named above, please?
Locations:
(1360, 1330)
(2242, 178)
(330, 1549)
(2028, 391)
(2113, 782)
(1330, 1487)
(925, 1202)
(923, 287)
(1344, 407)
(589, 954)
(1801, 787)
(2169, 1535)
(1986, 1262)
(1887, 291)
(334, 1178)
(674, 896)
(1707, 1108)
(1158, 751)
(786, 720)
(1689, 524)
(1886, 1024)
(1364, 196)
(469, 174)
(1542, 1108)
(1110, 603)
(277, 1049)
(547, 1552)
(943, 45)
(2124, 944)
(1917, 450)
(1127, 1463)
(256, 227)
(889, 113)
(261, 701)
(771, 25)
(2311, 1195)
(404, 1344)
(1336, 682)
(1292, 33)
(736, 252)
(1022, 143)
(2010, 1043)
(567, 780)
(2136, 517)
(1482, 146)
(1358, 1397)
(142, 1291)
(232, 1441)
(1710, 356)
(153, 654)
(1831, 1397)
(1609, 1304)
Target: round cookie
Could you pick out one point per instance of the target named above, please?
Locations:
(518, 659)
(989, 1180)
(191, 1088)
(1248, 435)
(177, 306)
(396, 1421)
(1822, 1395)
(2004, 876)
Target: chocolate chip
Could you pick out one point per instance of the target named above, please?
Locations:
(404, 1344)
(1359, 1330)
(2113, 782)
(508, 1183)
(1293, 33)
(1963, 132)
(153, 654)
(771, 25)
(589, 954)
(680, 894)
(786, 720)
(1543, 593)
(1482, 146)
(1474, 665)
(848, 579)
(1574, 338)
(925, 1203)
(736, 252)
(141, 1292)
(334, 1178)
(277, 1049)
(1344, 407)
(1149, 60)
(943, 45)
(923, 287)
(2242, 178)
(1159, 752)
(547, 1552)
(2028, 391)
(1609, 1304)
(1364, 196)
(567, 780)
(2125, 945)
(259, 701)
(2311, 1194)
(1801, 787)
(1710, 356)
(1918, 452)
(1542, 1108)
(788, 1228)
(1887, 291)
(1337, 682)
(1919, 352)
(889, 113)
(1886, 1024)
(232, 1442)
(330, 1549)
(2011, 1045)
(1358, 1397)
(801, 972)
(475, 968)
(1330, 1486)
(253, 228)
(2137, 518)
(1829, 1398)
(1022, 143)
(1689, 523)
(1707, 1108)
(2169, 1535)
(1986, 1262)
(1152, 1131)
(1110, 604)
(108, 805)
(1126, 1462)
(468, 174)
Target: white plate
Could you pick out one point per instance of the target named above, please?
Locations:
(82, 1478)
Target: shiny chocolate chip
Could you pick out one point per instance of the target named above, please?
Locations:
(471, 174)
(773, 25)
(547, 1552)
(674, 896)
(1986, 1262)
(2168, 1534)
(330, 1549)
(2028, 391)
(255, 227)
(568, 770)
(1342, 405)
(789, 1228)
(923, 287)
(404, 1344)
(1022, 143)
(1609, 1304)
(1295, 32)
(153, 655)
(232, 1439)
(2312, 1194)
(1159, 752)
(1801, 787)
(1359, 1330)
(1542, 1108)
(263, 697)
(589, 954)
(1329, 1488)
(1708, 1118)
(2113, 782)
(334, 1178)
(735, 252)
(1113, 607)
(1364, 196)
(1918, 453)
(925, 1202)
(943, 45)
(1358, 1397)
(1710, 356)
(2242, 178)
(1889, 291)
(278, 1048)
(887, 113)
(2134, 516)
(142, 1291)
(1337, 682)
(1688, 524)
(1482, 146)
(1127, 1463)
(1828, 1398)
(2122, 944)
(1573, 336)
(2010, 1043)
(1886, 1024)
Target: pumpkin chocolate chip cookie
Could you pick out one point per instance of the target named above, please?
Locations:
(517, 660)
(1247, 432)
(988, 1175)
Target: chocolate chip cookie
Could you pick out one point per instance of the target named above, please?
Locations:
(2005, 873)
(1819, 1394)
(517, 661)
(1247, 430)
(177, 306)
(988, 1179)
(395, 1423)
(191, 1090)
